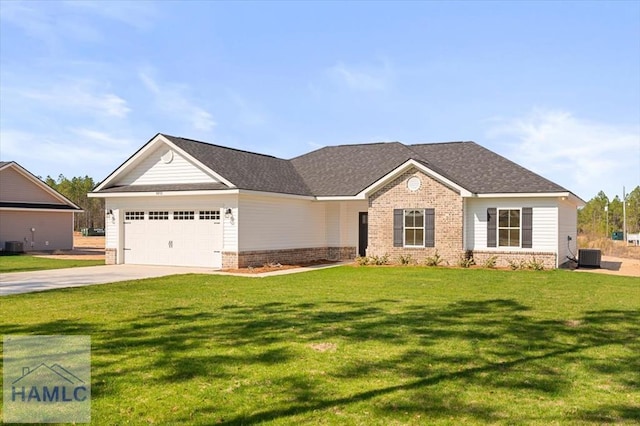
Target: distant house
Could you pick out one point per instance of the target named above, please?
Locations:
(33, 213)
(184, 202)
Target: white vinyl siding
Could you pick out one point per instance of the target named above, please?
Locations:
(272, 223)
(342, 222)
(567, 227)
(18, 188)
(153, 170)
(545, 222)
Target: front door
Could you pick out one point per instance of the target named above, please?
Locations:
(363, 233)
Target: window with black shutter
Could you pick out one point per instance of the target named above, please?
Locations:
(414, 228)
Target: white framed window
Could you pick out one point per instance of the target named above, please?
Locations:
(509, 228)
(210, 215)
(183, 215)
(133, 215)
(159, 215)
(414, 228)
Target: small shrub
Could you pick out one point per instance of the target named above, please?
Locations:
(536, 265)
(490, 262)
(434, 260)
(362, 260)
(516, 264)
(466, 262)
(379, 260)
(405, 259)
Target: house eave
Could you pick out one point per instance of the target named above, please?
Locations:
(563, 195)
(162, 193)
(356, 197)
(38, 209)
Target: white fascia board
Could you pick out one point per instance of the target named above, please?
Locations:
(27, 174)
(18, 209)
(356, 197)
(566, 195)
(426, 170)
(135, 159)
(276, 194)
(524, 195)
(161, 193)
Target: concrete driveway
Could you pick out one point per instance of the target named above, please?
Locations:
(26, 282)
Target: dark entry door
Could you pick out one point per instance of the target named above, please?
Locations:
(363, 233)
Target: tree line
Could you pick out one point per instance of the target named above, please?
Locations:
(76, 189)
(600, 210)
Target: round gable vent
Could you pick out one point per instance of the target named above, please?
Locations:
(414, 183)
(168, 157)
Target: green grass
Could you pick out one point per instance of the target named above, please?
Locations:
(23, 263)
(361, 346)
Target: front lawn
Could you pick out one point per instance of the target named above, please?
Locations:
(27, 262)
(354, 346)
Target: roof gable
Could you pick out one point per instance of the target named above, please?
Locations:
(21, 189)
(164, 165)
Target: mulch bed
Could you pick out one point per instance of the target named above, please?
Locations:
(271, 267)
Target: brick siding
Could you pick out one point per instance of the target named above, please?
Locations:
(110, 256)
(232, 260)
(448, 205)
(503, 258)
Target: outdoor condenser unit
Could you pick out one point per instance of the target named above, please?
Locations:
(589, 258)
(13, 247)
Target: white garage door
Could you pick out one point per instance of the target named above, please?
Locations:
(171, 237)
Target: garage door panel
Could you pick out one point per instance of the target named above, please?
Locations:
(165, 240)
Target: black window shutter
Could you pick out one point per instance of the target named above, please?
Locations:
(527, 227)
(491, 227)
(429, 227)
(398, 218)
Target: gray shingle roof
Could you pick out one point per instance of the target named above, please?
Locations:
(346, 170)
(246, 170)
(482, 171)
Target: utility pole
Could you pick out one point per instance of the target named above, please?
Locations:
(606, 211)
(624, 215)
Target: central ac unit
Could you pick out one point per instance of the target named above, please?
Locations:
(589, 258)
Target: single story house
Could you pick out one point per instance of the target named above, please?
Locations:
(178, 201)
(33, 213)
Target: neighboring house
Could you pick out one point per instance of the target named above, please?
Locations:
(183, 202)
(33, 213)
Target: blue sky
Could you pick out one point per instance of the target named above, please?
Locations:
(554, 86)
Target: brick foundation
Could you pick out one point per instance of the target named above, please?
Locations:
(229, 260)
(505, 257)
(232, 260)
(448, 205)
(110, 256)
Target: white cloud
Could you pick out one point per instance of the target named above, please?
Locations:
(77, 152)
(369, 79)
(582, 155)
(174, 101)
(80, 96)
